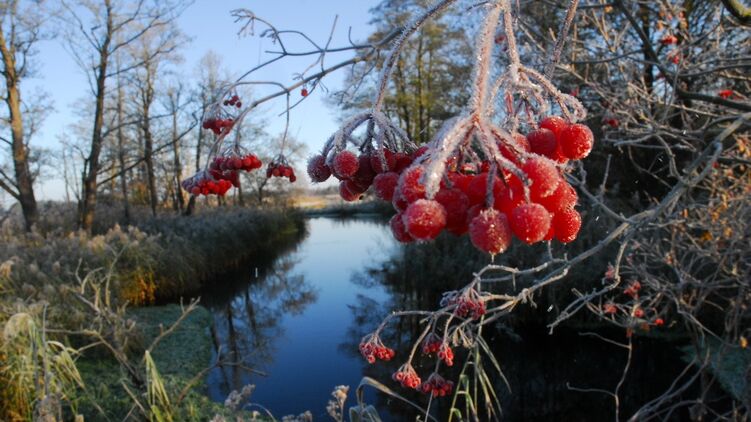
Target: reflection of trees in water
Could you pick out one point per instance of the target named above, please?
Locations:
(415, 277)
(246, 326)
(358, 220)
(538, 366)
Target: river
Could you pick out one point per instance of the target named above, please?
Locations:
(296, 316)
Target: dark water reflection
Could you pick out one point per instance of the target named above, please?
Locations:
(300, 320)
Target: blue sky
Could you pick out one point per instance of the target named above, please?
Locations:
(211, 27)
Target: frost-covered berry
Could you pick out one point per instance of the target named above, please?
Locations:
(530, 222)
(566, 225)
(510, 197)
(419, 151)
(402, 162)
(317, 169)
(564, 197)
(554, 123)
(542, 141)
(409, 185)
(576, 141)
(490, 231)
(345, 164)
(424, 219)
(455, 203)
(346, 193)
(478, 188)
(384, 185)
(377, 165)
(543, 174)
(460, 181)
(399, 230)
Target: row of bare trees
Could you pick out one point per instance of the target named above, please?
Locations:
(140, 117)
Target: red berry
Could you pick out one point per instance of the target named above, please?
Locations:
(542, 141)
(490, 231)
(576, 141)
(511, 197)
(354, 186)
(399, 230)
(530, 222)
(402, 162)
(317, 169)
(304, 92)
(419, 151)
(424, 219)
(455, 203)
(564, 197)
(347, 194)
(543, 174)
(384, 185)
(460, 181)
(566, 225)
(409, 184)
(659, 322)
(478, 188)
(345, 164)
(554, 123)
(377, 165)
(365, 174)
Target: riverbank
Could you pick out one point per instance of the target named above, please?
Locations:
(79, 290)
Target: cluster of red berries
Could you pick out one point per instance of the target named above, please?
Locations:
(202, 183)
(223, 173)
(220, 121)
(279, 167)
(233, 162)
(434, 344)
(633, 290)
(218, 126)
(372, 348)
(728, 93)
(633, 311)
(437, 386)
(431, 344)
(466, 307)
(407, 377)
(358, 173)
(669, 39)
(233, 101)
(491, 214)
(281, 170)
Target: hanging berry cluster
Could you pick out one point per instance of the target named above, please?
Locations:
(496, 171)
(631, 309)
(223, 171)
(475, 176)
(279, 167)
(220, 120)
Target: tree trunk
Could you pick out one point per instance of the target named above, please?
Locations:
(178, 168)
(24, 181)
(121, 153)
(91, 164)
(148, 155)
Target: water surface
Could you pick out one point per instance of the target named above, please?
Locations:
(290, 319)
(296, 317)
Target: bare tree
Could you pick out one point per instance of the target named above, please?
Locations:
(176, 104)
(96, 31)
(153, 51)
(20, 29)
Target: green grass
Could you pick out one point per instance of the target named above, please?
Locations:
(179, 357)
